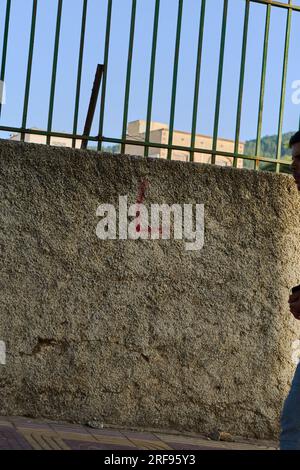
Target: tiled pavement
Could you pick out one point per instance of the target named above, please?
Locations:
(23, 433)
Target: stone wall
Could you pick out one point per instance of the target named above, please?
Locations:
(145, 333)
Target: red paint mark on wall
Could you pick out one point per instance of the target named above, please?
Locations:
(141, 196)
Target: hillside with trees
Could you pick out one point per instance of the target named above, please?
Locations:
(268, 149)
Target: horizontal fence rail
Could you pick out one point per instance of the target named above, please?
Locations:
(144, 142)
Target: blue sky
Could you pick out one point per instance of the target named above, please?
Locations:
(94, 48)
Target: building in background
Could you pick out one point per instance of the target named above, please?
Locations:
(42, 139)
(159, 133)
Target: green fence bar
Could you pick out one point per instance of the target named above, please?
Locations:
(175, 75)
(133, 142)
(29, 66)
(287, 6)
(152, 72)
(79, 71)
(219, 85)
(283, 86)
(262, 85)
(5, 42)
(54, 68)
(145, 143)
(128, 73)
(241, 84)
(104, 79)
(197, 78)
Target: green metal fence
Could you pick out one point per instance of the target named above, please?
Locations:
(280, 163)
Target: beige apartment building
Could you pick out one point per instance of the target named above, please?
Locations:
(42, 139)
(159, 133)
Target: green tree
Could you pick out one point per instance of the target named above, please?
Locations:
(269, 149)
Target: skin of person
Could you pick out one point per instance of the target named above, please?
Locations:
(294, 299)
(290, 417)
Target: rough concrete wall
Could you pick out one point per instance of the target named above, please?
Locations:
(143, 332)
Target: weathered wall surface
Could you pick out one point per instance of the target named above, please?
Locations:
(143, 332)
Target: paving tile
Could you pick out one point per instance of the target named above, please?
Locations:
(104, 432)
(12, 440)
(78, 445)
(77, 436)
(180, 446)
(57, 442)
(114, 440)
(150, 445)
(19, 419)
(139, 435)
(239, 446)
(33, 426)
(25, 433)
(183, 439)
(71, 428)
(44, 440)
(6, 424)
